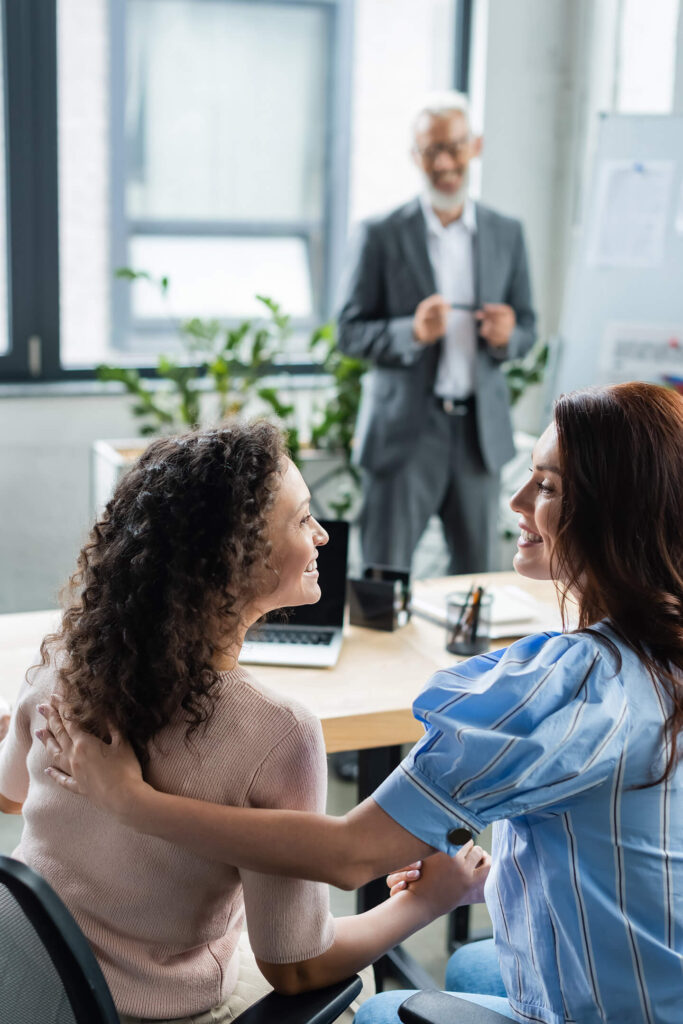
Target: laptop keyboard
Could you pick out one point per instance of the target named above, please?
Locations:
(322, 637)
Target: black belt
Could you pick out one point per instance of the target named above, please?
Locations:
(455, 406)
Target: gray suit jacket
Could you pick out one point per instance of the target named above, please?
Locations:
(388, 274)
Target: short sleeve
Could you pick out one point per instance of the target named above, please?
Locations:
(288, 919)
(15, 747)
(510, 733)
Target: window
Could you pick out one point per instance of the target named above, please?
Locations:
(203, 140)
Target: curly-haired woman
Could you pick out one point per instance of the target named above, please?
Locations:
(208, 532)
(570, 742)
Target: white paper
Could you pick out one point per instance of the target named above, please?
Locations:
(642, 351)
(513, 612)
(630, 222)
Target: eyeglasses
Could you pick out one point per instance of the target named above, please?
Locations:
(454, 149)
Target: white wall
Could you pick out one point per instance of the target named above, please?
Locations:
(530, 130)
(45, 489)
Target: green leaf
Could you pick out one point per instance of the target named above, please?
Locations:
(271, 396)
(280, 319)
(200, 330)
(520, 373)
(273, 306)
(166, 366)
(127, 274)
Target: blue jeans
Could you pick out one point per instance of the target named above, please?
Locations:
(474, 968)
(472, 973)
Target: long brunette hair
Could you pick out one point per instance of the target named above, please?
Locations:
(162, 580)
(620, 537)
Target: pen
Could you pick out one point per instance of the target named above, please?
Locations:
(458, 627)
(474, 614)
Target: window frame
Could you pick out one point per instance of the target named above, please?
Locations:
(30, 96)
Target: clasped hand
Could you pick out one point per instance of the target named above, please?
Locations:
(445, 882)
(496, 321)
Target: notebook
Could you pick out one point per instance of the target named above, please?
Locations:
(312, 634)
(514, 612)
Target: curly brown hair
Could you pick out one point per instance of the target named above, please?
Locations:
(620, 539)
(160, 584)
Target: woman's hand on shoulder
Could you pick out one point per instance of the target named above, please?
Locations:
(108, 774)
(444, 882)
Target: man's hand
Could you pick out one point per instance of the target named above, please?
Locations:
(430, 320)
(496, 323)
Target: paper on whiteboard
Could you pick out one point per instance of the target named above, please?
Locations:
(630, 222)
(642, 351)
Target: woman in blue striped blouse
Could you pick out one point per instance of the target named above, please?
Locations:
(568, 743)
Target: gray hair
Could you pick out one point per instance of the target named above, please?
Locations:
(439, 104)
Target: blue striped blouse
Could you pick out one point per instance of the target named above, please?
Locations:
(548, 739)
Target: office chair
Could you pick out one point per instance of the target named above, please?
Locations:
(433, 1007)
(48, 971)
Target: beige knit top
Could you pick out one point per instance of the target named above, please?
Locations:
(164, 923)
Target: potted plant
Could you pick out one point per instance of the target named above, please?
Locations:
(231, 364)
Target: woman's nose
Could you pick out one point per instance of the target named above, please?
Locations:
(517, 500)
(321, 535)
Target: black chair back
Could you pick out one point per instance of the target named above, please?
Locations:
(433, 1007)
(48, 973)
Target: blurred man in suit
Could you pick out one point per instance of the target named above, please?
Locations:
(437, 296)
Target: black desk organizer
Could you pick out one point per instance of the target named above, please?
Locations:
(380, 599)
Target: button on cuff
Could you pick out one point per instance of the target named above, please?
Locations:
(459, 836)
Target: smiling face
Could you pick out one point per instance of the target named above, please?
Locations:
(538, 503)
(295, 537)
(443, 150)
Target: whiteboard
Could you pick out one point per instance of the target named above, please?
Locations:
(623, 309)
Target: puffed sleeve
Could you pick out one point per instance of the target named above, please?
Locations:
(288, 919)
(510, 733)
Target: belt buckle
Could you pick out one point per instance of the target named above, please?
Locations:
(454, 408)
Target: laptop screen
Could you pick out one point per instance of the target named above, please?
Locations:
(332, 561)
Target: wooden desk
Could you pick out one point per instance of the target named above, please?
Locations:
(366, 700)
(364, 703)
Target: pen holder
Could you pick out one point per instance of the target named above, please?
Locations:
(380, 599)
(468, 626)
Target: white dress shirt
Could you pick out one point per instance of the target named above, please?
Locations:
(451, 254)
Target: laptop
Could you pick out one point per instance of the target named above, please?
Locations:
(312, 634)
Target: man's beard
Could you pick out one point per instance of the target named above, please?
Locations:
(447, 202)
